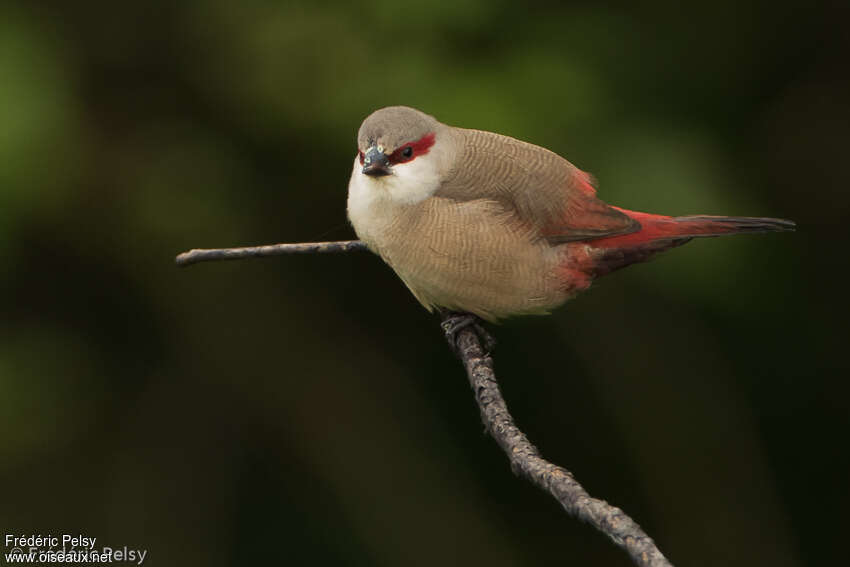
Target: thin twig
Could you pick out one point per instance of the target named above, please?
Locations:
(207, 254)
(526, 460)
(524, 457)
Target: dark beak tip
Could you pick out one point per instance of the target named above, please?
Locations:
(375, 170)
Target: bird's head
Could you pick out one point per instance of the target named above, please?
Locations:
(402, 151)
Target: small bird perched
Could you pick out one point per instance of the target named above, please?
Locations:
(482, 223)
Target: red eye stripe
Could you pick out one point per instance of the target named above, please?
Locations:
(360, 155)
(419, 147)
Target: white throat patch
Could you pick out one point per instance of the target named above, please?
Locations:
(375, 203)
(409, 183)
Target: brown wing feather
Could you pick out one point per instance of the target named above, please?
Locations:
(539, 187)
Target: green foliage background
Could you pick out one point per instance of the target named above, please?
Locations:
(305, 410)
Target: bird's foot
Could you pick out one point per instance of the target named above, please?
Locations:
(455, 321)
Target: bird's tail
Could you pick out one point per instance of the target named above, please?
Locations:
(659, 233)
(660, 227)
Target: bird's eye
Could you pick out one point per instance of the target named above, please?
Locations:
(407, 152)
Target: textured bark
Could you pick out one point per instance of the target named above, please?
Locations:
(526, 460)
(524, 457)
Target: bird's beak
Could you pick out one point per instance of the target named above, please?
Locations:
(375, 163)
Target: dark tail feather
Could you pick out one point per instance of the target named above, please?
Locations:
(659, 233)
(660, 227)
(610, 259)
(716, 226)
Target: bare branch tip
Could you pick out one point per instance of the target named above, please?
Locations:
(527, 461)
(208, 254)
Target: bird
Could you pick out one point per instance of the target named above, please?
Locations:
(479, 223)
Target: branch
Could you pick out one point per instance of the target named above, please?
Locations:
(524, 457)
(206, 254)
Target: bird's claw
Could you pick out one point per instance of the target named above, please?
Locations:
(453, 322)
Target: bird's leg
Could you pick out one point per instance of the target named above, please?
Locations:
(454, 321)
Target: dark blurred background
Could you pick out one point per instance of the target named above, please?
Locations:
(305, 410)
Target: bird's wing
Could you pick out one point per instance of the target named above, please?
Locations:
(539, 187)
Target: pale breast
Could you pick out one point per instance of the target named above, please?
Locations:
(471, 256)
